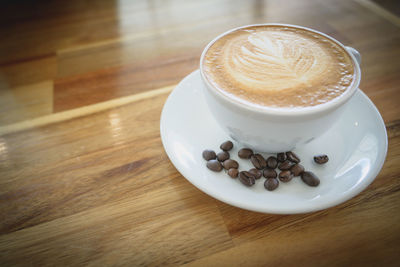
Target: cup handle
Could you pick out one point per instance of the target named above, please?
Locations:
(355, 53)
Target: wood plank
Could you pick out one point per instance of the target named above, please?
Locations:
(103, 85)
(68, 26)
(27, 71)
(171, 224)
(80, 112)
(364, 235)
(26, 102)
(390, 10)
(393, 129)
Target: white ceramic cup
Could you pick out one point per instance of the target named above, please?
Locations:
(274, 129)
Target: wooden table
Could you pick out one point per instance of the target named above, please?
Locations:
(84, 179)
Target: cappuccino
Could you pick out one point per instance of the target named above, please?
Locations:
(278, 66)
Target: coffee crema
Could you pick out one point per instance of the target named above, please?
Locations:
(278, 66)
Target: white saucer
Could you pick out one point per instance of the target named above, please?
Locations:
(356, 146)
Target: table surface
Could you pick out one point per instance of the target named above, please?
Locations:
(84, 179)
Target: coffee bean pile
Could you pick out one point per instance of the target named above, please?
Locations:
(288, 164)
(216, 162)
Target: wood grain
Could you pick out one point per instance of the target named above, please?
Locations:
(84, 179)
(26, 102)
(80, 112)
(157, 232)
(96, 87)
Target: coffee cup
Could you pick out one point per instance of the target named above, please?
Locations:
(272, 87)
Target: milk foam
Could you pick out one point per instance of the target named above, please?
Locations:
(278, 66)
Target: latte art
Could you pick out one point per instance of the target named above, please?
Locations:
(265, 56)
(278, 66)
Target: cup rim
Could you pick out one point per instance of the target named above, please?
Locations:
(332, 104)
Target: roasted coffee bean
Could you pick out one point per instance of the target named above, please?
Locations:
(297, 169)
(271, 184)
(285, 176)
(281, 157)
(257, 173)
(258, 161)
(209, 154)
(214, 165)
(270, 173)
(222, 156)
(283, 166)
(321, 159)
(245, 153)
(226, 146)
(233, 172)
(230, 163)
(247, 178)
(292, 157)
(310, 178)
(272, 162)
